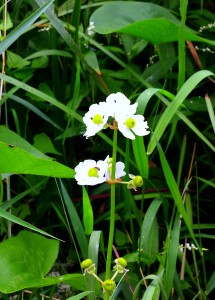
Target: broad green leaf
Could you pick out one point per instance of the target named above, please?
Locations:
(13, 139)
(9, 23)
(148, 21)
(87, 212)
(8, 216)
(24, 259)
(15, 61)
(43, 143)
(21, 28)
(18, 161)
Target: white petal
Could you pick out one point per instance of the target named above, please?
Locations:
(141, 127)
(93, 128)
(125, 131)
(120, 170)
(83, 168)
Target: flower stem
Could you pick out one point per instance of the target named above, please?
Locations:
(112, 210)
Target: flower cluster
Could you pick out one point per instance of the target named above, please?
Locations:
(120, 112)
(187, 246)
(91, 172)
(117, 113)
(108, 285)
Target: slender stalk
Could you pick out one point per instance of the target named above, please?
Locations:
(112, 212)
(181, 44)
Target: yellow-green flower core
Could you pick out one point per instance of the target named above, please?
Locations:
(138, 181)
(86, 263)
(122, 262)
(93, 172)
(109, 285)
(130, 123)
(97, 119)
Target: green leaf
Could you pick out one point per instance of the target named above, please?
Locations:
(18, 161)
(21, 28)
(10, 137)
(80, 296)
(171, 182)
(75, 221)
(173, 107)
(87, 212)
(43, 143)
(92, 61)
(15, 61)
(146, 241)
(211, 284)
(9, 23)
(4, 214)
(148, 21)
(24, 259)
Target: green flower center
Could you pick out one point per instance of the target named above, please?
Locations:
(138, 181)
(97, 119)
(93, 172)
(130, 123)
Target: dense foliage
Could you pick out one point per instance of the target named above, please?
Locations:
(57, 59)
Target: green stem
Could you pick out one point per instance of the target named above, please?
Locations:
(112, 212)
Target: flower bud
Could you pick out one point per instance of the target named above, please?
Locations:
(135, 182)
(121, 261)
(109, 286)
(86, 263)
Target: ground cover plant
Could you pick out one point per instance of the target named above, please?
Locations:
(107, 149)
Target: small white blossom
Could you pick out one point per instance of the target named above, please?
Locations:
(119, 104)
(130, 124)
(91, 172)
(91, 29)
(119, 170)
(95, 119)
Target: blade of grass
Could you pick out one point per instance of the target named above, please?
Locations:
(210, 111)
(14, 219)
(87, 212)
(181, 44)
(93, 253)
(75, 221)
(148, 222)
(21, 28)
(170, 180)
(172, 108)
(171, 258)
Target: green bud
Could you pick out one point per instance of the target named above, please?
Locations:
(122, 262)
(97, 119)
(93, 172)
(86, 263)
(138, 181)
(130, 123)
(109, 285)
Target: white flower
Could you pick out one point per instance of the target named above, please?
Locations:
(132, 123)
(91, 172)
(95, 119)
(91, 29)
(119, 170)
(119, 104)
